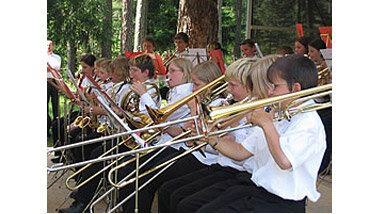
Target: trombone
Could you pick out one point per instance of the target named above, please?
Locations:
(157, 115)
(221, 112)
(160, 115)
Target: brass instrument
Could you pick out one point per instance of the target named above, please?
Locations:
(126, 163)
(171, 57)
(323, 75)
(216, 113)
(222, 112)
(160, 115)
(125, 142)
(131, 100)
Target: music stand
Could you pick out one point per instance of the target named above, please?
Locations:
(327, 55)
(60, 84)
(195, 55)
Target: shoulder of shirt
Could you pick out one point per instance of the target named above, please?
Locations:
(56, 55)
(186, 86)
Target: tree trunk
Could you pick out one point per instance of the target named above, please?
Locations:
(127, 22)
(220, 35)
(199, 19)
(71, 56)
(238, 28)
(140, 23)
(107, 30)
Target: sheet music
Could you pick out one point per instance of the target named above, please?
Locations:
(196, 55)
(327, 55)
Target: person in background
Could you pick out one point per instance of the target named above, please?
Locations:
(315, 54)
(284, 50)
(52, 93)
(248, 49)
(148, 44)
(301, 45)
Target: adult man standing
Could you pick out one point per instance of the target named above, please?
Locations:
(55, 62)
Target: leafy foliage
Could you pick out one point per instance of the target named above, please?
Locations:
(82, 20)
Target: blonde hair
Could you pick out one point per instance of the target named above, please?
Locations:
(239, 70)
(185, 65)
(120, 67)
(252, 74)
(258, 82)
(103, 63)
(207, 71)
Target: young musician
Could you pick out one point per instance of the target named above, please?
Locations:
(301, 45)
(246, 78)
(248, 49)
(87, 63)
(286, 154)
(180, 86)
(200, 75)
(148, 44)
(181, 42)
(118, 70)
(141, 72)
(315, 54)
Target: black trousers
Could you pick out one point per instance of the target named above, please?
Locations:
(52, 93)
(326, 117)
(172, 192)
(193, 202)
(183, 166)
(245, 196)
(85, 193)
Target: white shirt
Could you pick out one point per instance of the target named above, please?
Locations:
(240, 136)
(211, 154)
(147, 100)
(54, 60)
(105, 87)
(175, 94)
(303, 141)
(120, 92)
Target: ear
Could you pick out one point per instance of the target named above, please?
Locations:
(146, 73)
(296, 87)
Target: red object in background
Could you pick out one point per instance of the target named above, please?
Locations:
(299, 30)
(326, 35)
(130, 54)
(160, 68)
(217, 57)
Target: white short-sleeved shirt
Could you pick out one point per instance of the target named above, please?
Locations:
(147, 100)
(175, 94)
(54, 60)
(240, 136)
(120, 91)
(303, 141)
(106, 87)
(211, 157)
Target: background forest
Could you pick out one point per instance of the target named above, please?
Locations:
(95, 26)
